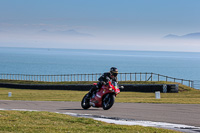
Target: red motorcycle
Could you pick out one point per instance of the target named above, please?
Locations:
(104, 97)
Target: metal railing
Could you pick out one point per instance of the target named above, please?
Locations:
(142, 76)
(196, 84)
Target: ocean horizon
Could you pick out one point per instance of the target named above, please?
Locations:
(46, 61)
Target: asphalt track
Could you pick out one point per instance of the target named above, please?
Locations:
(188, 114)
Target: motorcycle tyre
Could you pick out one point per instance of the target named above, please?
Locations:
(87, 103)
(112, 100)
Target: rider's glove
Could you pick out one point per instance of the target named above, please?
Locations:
(104, 83)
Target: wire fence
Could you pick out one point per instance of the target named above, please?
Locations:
(142, 76)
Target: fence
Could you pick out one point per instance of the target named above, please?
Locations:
(94, 77)
(196, 84)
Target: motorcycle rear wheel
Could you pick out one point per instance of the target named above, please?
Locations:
(85, 103)
(108, 101)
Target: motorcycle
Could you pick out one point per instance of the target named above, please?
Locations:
(104, 97)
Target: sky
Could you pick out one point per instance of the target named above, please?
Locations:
(100, 24)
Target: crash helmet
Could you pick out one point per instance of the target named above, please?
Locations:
(114, 71)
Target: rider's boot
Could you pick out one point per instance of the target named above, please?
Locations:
(92, 90)
(90, 93)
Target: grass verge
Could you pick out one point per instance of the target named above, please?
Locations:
(46, 122)
(186, 96)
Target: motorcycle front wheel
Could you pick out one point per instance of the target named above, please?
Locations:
(108, 101)
(85, 103)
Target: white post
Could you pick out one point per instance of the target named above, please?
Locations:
(9, 94)
(157, 93)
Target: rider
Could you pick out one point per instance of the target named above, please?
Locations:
(112, 75)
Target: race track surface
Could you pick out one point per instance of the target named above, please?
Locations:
(188, 114)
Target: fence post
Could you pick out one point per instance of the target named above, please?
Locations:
(189, 83)
(140, 76)
(135, 76)
(158, 77)
(192, 82)
(151, 76)
(146, 76)
(130, 77)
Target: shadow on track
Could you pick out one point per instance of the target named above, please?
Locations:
(79, 109)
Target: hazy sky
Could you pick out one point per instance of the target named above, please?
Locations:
(99, 24)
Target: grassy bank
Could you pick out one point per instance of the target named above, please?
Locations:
(82, 82)
(186, 96)
(46, 122)
(181, 87)
(41, 82)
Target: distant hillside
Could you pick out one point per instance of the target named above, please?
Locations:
(70, 32)
(187, 36)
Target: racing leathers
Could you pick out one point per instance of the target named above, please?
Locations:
(103, 80)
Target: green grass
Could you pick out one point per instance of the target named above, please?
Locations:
(185, 96)
(82, 82)
(181, 87)
(46, 122)
(41, 95)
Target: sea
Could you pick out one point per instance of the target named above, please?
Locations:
(50, 61)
